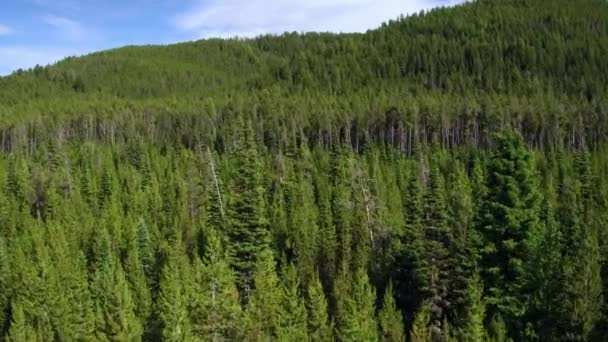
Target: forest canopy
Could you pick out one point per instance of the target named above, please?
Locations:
(443, 177)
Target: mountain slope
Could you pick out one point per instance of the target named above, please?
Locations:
(518, 61)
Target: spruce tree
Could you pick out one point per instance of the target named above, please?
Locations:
(320, 327)
(409, 277)
(115, 311)
(173, 299)
(509, 217)
(437, 245)
(581, 283)
(20, 329)
(214, 304)
(264, 310)
(248, 226)
(293, 319)
(136, 277)
(420, 326)
(390, 319)
(355, 309)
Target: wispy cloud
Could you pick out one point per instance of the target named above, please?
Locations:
(6, 30)
(247, 18)
(71, 29)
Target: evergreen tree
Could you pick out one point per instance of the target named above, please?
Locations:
(214, 304)
(173, 299)
(581, 282)
(248, 231)
(474, 330)
(509, 218)
(115, 315)
(319, 326)
(390, 320)
(293, 319)
(21, 329)
(355, 312)
(410, 279)
(136, 277)
(264, 310)
(420, 327)
(438, 242)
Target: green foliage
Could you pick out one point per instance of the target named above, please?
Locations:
(274, 188)
(509, 219)
(248, 232)
(216, 313)
(390, 319)
(319, 326)
(355, 308)
(173, 299)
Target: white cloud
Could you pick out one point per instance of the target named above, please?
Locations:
(229, 18)
(15, 57)
(6, 30)
(70, 29)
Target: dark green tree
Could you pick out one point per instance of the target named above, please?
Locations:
(509, 218)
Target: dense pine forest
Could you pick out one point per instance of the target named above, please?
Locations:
(443, 177)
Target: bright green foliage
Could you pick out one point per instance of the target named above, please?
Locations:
(497, 330)
(173, 300)
(355, 308)
(20, 329)
(115, 315)
(474, 330)
(264, 310)
(136, 277)
(216, 312)
(341, 205)
(293, 319)
(390, 319)
(272, 188)
(420, 331)
(319, 326)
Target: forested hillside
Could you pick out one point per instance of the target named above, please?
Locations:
(443, 177)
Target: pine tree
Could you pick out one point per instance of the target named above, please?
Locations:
(341, 203)
(438, 240)
(20, 329)
(303, 223)
(497, 330)
(136, 277)
(461, 207)
(319, 326)
(294, 316)
(145, 251)
(116, 320)
(474, 330)
(547, 278)
(16, 179)
(420, 327)
(173, 299)
(509, 217)
(390, 319)
(248, 227)
(355, 312)
(581, 283)
(5, 281)
(264, 310)
(215, 308)
(409, 278)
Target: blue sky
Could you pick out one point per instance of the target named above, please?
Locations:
(45, 31)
